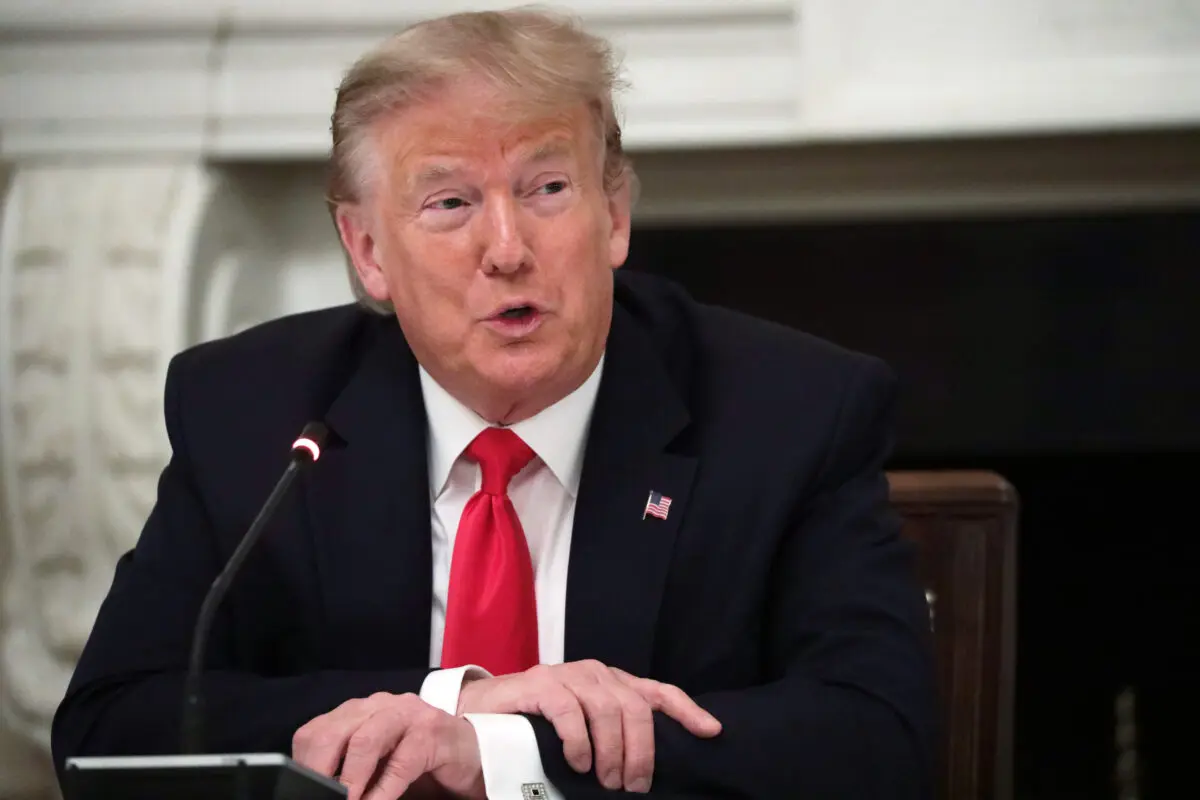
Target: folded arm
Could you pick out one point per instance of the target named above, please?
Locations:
(140, 714)
(849, 708)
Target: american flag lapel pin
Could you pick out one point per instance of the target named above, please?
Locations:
(657, 505)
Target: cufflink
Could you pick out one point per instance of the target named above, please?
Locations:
(533, 791)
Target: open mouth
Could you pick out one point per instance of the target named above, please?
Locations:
(516, 321)
(516, 313)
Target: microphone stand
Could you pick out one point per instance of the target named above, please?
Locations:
(305, 451)
(194, 775)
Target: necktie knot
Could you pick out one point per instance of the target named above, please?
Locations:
(501, 454)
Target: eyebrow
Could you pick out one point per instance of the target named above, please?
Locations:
(549, 150)
(433, 173)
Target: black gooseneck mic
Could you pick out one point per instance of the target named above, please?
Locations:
(305, 451)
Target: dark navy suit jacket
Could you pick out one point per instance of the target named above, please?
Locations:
(778, 591)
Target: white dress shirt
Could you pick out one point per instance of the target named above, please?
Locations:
(543, 494)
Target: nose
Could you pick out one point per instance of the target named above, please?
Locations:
(505, 250)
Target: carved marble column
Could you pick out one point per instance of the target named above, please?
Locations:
(96, 273)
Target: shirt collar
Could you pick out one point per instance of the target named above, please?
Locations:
(557, 434)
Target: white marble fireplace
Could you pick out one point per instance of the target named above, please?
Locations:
(160, 169)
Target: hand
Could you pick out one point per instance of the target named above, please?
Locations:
(385, 743)
(617, 706)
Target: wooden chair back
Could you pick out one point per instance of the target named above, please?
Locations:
(965, 524)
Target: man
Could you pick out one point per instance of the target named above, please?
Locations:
(581, 533)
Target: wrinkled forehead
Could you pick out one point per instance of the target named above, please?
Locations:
(474, 127)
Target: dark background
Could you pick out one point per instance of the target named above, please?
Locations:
(1064, 353)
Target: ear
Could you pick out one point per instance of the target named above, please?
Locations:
(620, 212)
(353, 227)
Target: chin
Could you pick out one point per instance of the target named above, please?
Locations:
(521, 368)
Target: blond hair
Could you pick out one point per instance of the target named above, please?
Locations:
(545, 60)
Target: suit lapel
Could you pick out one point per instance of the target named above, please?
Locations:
(620, 558)
(370, 502)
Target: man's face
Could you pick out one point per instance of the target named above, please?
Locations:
(495, 244)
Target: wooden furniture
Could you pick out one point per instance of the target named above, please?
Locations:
(965, 524)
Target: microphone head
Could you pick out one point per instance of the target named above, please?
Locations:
(311, 440)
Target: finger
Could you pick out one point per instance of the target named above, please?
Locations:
(322, 745)
(674, 702)
(637, 729)
(302, 740)
(308, 736)
(603, 712)
(371, 743)
(562, 709)
(409, 760)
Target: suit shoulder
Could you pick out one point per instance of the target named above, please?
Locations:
(735, 346)
(742, 343)
(771, 381)
(292, 341)
(285, 371)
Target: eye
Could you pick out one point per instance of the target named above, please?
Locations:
(448, 204)
(553, 187)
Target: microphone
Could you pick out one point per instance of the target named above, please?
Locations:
(305, 451)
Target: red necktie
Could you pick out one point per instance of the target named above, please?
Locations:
(491, 609)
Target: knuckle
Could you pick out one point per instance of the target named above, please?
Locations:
(362, 741)
(633, 703)
(558, 704)
(542, 676)
(347, 708)
(399, 767)
(407, 702)
(610, 750)
(666, 693)
(606, 705)
(434, 719)
(443, 725)
(408, 765)
(648, 685)
(675, 691)
(402, 706)
(639, 711)
(326, 738)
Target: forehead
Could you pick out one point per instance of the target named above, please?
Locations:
(469, 127)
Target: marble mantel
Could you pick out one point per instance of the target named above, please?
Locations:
(254, 78)
(160, 181)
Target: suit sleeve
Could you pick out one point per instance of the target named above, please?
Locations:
(126, 694)
(849, 707)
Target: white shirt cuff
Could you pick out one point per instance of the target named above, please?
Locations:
(441, 687)
(508, 752)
